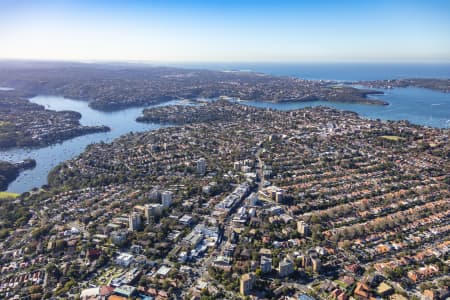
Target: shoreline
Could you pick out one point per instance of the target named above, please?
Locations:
(9, 171)
(354, 107)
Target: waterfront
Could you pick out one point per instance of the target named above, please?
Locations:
(419, 106)
(120, 122)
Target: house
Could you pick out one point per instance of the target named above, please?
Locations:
(127, 291)
(397, 297)
(430, 295)
(336, 293)
(362, 290)
(384, 289)
(163, 271)
(93, 254)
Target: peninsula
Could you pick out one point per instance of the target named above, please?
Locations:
(26, 124)
(114, 87)
(441, 85)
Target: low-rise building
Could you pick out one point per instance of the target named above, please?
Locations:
(124, 259)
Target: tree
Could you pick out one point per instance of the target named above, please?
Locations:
(53, 270)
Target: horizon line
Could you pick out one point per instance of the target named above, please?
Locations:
(149, 62)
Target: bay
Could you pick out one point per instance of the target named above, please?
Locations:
(120, 122)
(417, 105)
(5, 89)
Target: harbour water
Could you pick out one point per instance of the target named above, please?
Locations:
(5, 89)
(120, 122)
(419, 106)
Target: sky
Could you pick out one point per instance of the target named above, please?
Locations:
(226, 31)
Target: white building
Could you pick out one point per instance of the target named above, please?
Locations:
(91, 293)
(186, 220)
(201, 166)
(163, 271)
(124, 259)
(182, 257)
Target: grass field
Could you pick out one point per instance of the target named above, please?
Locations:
(8, 195)
(392, 138)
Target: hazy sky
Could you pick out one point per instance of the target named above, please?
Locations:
(241, 30)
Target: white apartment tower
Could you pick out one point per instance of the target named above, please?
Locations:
(201, 166)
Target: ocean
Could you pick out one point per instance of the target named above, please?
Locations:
(336, 71)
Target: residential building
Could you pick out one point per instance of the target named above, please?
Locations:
(153, 209)
(118, 237)
(266, 264)
(127, 291)
(135, 221)
(279, 196)
(303, 228)
(247, 282)
(124, 259)
(285, 268)
(166, 199)
(316, 265)
(201, 166)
